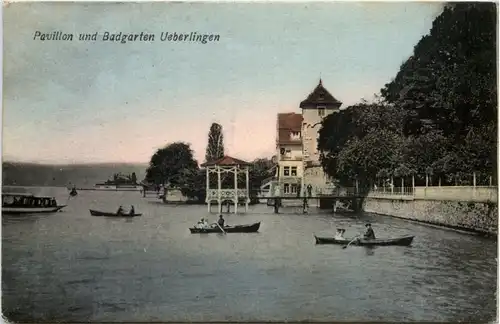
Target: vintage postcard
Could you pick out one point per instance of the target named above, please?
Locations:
(201, 162)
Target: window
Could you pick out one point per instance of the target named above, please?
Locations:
(294, 188)
(321, 112)
(294, 171)
(286, 171)
(288, 153)
(294, 135)
(286, 188)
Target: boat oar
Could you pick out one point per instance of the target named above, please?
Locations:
(223, 231)
(355, 238)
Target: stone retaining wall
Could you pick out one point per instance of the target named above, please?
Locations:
(471, 216)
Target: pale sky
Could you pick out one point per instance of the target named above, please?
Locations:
(69, 102)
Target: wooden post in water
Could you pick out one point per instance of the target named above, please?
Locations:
(247, 187)
(219, 202)
(402, 185)
(235, 189)
(356, 183)
(491, 181)
(426, 180)
(392, 185)
(208, 198)
(439, 183)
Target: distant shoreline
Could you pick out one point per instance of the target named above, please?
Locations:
(65, 187)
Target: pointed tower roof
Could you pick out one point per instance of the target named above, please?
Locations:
(320, 96)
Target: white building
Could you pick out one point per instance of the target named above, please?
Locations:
(298, 159)
(319, 104)
(289, 169)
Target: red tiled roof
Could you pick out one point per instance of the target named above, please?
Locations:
(225, 160)
(320, 96)
(287, 123)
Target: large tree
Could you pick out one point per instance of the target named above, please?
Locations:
(215, 146)
(441, 108)
(172, 166)
(450, 80)
(358, 142)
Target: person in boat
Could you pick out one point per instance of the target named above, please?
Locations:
(221, 221)
(202, 224)
(340, 234)
(53, 203)
(132, 210)
(119, 211)
(369, 234)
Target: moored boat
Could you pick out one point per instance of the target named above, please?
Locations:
(27, 203)
(401, 241)
(251, 228)
(107, 214)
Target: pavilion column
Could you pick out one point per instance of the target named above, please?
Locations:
(247, 187)
(235, 170)
(208, 199)
(219, 190)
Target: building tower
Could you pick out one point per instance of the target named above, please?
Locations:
(319, 104)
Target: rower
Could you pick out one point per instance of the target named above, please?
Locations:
(221, 221)
(132, 210)
(369, 234)
(120, 210)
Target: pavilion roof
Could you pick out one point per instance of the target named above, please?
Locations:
(225, 161)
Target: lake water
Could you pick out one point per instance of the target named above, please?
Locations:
(74, 267)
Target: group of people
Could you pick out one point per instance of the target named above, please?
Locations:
(368, 235)
(203, 223)
(120, 211)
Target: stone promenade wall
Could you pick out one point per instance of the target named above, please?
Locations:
(474, 216)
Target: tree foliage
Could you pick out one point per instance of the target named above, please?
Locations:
(438, 115)
(215, 146)
(172, 165)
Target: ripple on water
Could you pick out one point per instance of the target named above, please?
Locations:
(70, 266)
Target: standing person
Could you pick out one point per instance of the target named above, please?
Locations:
(309, 190)
(132, 210)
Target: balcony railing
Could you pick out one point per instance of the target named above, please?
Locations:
(290, 158)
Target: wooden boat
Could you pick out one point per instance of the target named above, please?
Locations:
(106, 214)
(27, 203)
(401, 241)
(252, 228)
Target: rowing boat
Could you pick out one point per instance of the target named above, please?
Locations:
(101, 213)
(401, 241)
(252, 228)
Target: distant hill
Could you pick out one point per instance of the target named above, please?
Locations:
(81, 175)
